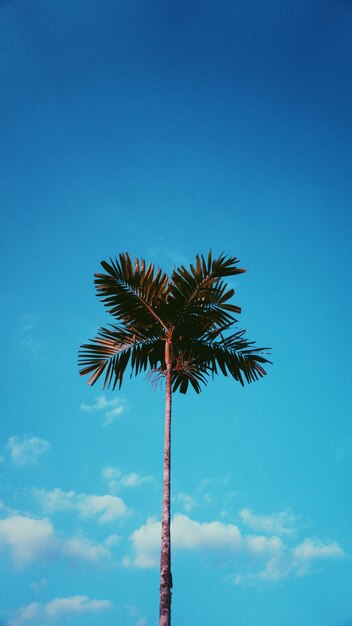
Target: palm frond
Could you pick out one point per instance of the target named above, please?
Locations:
(211, 312)
(134, 294)
(199, 297)
(234, 356)
(112, 350)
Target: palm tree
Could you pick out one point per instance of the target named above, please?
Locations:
(177, 328)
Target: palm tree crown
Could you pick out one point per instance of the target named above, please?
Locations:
(184, 319)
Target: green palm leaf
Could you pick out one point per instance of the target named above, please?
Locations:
(199, 298)
(134, 294)
(233, 356)
(112, 350)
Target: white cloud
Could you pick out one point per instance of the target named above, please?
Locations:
(146, 543)
(26, 614)
(253, 557)
(186, 534)
(116, 479)
(275, 567)
(83, 549)
(112, 476)
(28, 450)
(112, 409)
(134, 480)
(55, 500)
(297, 561)
(76, 604)
(312, 550)
(112, 540)
(60, 607)
(282, 523)
(106, 508)
(29, 540)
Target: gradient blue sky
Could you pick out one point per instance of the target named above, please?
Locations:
(164, 129)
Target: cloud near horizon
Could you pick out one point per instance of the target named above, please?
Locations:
(59, 608)
(254, 557)
(106, 508)
(30, 540)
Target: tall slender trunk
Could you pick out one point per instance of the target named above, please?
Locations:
(165, 558)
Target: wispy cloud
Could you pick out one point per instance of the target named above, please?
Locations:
(28, 335)
(282, 523)
(29, 540)
(175, 256)
(312, 550)
(187, 501)
(59, 608)
(39, 585)
(105, 508)
(117, 480)
(211, 490)
(134, 616)
(82, 549)
(253, 557)
(26, 451)
(6, 510)
(141, 622)
(111, 409)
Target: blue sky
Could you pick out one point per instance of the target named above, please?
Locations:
(165, 129)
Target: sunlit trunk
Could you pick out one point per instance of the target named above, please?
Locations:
(165, 559)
